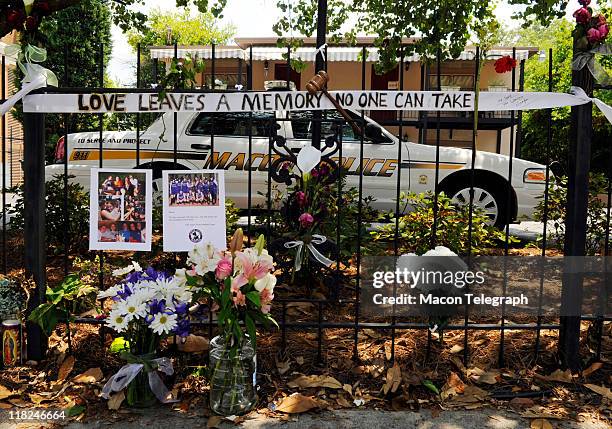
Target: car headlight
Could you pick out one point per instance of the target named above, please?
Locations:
(535, 175)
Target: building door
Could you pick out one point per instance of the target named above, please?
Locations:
(280, 73)
(381, 83)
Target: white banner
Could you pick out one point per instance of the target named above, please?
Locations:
(297, 100)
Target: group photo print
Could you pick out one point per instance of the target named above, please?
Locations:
(120, 215)
(194, 189)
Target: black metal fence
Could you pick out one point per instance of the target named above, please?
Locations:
(34, 210)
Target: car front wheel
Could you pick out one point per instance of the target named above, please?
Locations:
(490, 202)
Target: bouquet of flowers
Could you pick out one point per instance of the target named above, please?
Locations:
(239, 284)
(591, 30)
(590, 34)
(147, 306)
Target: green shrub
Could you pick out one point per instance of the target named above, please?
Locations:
(557, 212)
(56, 222)
(415, 226)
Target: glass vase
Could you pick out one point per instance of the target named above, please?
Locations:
(232, 378)
(138, 392)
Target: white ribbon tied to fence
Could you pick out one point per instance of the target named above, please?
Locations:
(128, 372)
(35, 75)
(316, 239)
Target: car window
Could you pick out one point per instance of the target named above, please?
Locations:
(232, 124)
(302, 125)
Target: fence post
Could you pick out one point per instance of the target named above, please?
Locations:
(576, 222)
(34, 222)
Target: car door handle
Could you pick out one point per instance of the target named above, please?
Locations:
(198, 146)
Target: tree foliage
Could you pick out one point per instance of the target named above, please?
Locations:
(438, 26)
(534, 146)
(126, 13)
(443, 25)
(181, 27)
(80, 31)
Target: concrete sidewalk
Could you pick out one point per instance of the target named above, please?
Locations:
(163, 418)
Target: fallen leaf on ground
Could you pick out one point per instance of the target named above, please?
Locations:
(5, 406)
(305, 381)
(114, 402)
(453, 386)
(299, 360)
(214, 422)
(603, 391)
(486, 377)
(297, 403)
(37, 399)
(348, 388)
(456, 348)
(540, 424)
(558, 376)
(471, 395)
(193, 344)
(282, 366)
(65, 368)
(343, 402)
(90, 376)
(591, 369)
(5, 393)
(521, 402)
(394, 378)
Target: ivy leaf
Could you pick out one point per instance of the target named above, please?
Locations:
(431, 386)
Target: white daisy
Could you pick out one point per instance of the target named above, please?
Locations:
(110, 292)
(117, 321)
(163, 323)
(132, 308)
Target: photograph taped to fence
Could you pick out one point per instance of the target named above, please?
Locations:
(120, 213)
(194, 209)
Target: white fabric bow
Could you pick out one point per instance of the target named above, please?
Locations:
(128, 372)
(35, 75)
(316, 239)
(321, 51)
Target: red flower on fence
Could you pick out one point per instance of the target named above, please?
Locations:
(505, 64)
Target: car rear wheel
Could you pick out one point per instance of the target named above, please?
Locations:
(490, 202)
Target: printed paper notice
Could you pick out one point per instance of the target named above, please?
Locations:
(194, 209)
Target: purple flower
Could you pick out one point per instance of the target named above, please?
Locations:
(603, 32)
(180, 308)
(301, 199)
(182, 327)
(157, 306)
(123, 294)
(593, 35)
(582, 15)
(306, 220)
(584, 3)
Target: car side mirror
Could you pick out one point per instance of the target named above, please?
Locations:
(374, 133)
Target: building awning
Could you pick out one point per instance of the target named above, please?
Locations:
(334, 53)
(204, 53)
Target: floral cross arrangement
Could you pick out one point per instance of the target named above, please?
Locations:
(305, 208)
(147, 306)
